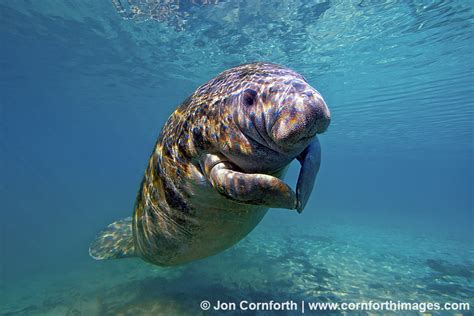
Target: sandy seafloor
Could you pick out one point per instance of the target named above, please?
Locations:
(324, 262)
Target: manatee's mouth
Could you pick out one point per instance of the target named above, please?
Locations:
(323, 125)
(296, 125)
(307, 138)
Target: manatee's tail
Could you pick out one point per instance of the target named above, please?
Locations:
(114, 242)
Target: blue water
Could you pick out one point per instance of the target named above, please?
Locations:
(85, 90)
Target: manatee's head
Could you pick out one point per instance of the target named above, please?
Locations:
(277, 108)
(267, 115)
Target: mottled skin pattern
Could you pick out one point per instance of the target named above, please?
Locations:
(217, 164)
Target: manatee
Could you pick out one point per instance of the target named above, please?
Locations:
(218, 164)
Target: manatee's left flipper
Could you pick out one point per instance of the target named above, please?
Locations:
(248, 188)
(310, 160)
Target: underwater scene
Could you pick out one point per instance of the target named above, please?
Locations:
(86, 88)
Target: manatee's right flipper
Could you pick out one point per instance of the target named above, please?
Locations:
(114, 242)
(310, 160)
(249, 188)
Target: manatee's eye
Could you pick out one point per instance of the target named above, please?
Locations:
(249, 97)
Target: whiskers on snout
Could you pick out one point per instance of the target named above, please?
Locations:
(299, 120)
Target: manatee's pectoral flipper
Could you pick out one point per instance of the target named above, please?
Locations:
(249, 188)
(310, 160)
(115, 241)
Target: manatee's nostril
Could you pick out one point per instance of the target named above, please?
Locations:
(299, 86)
(319, 115)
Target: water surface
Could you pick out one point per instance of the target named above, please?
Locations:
(86, 87)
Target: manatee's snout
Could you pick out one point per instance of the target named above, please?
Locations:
(300, 119)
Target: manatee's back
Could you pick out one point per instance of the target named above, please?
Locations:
(162, 213)
(178, 216)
